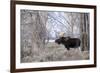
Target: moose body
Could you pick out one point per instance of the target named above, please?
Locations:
(69, 42)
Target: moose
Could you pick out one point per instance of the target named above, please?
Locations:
(68, 42)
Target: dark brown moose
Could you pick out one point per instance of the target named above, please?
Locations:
(69, 42)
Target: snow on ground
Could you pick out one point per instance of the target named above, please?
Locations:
(55, 52)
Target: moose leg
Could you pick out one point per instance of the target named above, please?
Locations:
(68, 51)
(67, 47)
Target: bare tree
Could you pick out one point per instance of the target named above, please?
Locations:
(39, 31)
(33, 32)
(85, 31)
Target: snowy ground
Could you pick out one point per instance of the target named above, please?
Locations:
(55, 52)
